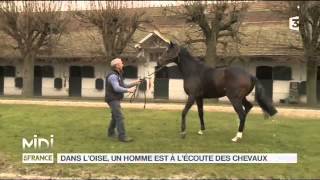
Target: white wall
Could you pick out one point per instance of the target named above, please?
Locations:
(49, 90)
(176, 90)
(145, 69)
(280, 87)
(9, 87)
(280, 90)
(60, 71)
(89, 88)
(9, 82)
(88, 84)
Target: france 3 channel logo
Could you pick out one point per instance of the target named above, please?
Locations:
(38, 144)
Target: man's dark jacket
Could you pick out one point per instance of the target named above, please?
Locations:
(110, 94)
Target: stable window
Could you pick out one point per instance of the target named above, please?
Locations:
(99, 84)
(58, 83)
(87, 71)
(163, 73)
(282, 73)
(47, 71)
(18, 81)
(9, 71)
(174, 72)
(264, 72)
(302, 88)
(130, 72)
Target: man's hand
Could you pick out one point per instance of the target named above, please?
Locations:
(136, 82)
(132, 89)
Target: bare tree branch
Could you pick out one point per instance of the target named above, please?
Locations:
(216, 20)
(195, 41)
(116, 24)
(32, 25)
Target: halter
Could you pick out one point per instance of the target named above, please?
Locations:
(176, 55)
(133, 96)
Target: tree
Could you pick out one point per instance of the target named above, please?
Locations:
(309, 29)
(34, 26)
(217, 22)
(116, 24)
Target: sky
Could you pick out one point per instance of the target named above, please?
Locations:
(83, 5)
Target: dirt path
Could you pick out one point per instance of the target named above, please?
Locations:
(289, 112)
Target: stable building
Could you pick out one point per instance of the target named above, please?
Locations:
(76, 67)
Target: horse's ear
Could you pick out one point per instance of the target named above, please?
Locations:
(171, 44)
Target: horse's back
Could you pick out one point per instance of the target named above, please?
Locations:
(213, 82)
(217, 81)
(237, 74)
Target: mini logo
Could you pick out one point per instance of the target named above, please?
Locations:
(37, 142)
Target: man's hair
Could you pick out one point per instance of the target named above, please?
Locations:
(115, 61)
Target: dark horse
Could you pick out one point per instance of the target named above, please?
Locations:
(201, 81)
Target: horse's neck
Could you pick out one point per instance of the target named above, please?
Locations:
(187, 64)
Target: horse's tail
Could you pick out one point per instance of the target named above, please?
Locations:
(262, 100)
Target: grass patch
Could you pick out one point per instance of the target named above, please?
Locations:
(78, 129)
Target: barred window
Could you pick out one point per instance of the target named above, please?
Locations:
(302, 88)
(282, 73)
(87, 71)
(99, 84)
(163, 73)
(18, 81)
(130, 72)
(9, 71)
(47, 71)
(174, 72)
(264, 72)
(58, 83)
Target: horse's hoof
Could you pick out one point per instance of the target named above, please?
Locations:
(235, 139)
(183, 135)
(200, 132)
(266, 116)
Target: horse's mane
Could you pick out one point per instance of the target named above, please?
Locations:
(185, 52)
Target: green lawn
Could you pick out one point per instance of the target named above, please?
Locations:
(84, 130)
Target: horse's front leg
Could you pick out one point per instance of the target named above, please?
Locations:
(184, 114)
(200, 112)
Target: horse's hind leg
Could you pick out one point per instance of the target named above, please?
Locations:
(247, 105)
(237, 105)
(200, 112)
(184, 113)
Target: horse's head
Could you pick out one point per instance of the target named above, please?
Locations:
(169, 55)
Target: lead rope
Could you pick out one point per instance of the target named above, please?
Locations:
(133, 96)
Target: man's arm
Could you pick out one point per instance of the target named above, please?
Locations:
(133, 83)
(129, 85)
(113, 80)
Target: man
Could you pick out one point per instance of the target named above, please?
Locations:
(115, 87)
